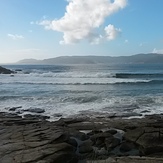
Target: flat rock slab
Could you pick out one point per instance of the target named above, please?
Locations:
(33, 142)
(149, 139)
(128, 160)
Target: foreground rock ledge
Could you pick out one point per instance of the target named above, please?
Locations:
(72, 140)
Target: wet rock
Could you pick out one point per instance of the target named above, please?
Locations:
(72, 141)
(40, 117)
(129, 159)
(35, 110)
(77, 134)
(86, 147)
(5, 71)
(15, 108)
(150, 140)
(101, 136)
(111, 131)
(18, 70)
(25, 140)
(94, 132)
(145, 111)
(127, 146)
(111, 142)
(57, 115)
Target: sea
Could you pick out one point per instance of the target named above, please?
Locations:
(127, 90)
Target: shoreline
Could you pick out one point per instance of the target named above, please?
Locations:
(80, 139)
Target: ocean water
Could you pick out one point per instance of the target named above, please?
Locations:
(95, 89)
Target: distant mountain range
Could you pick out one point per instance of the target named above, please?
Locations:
(138, 58)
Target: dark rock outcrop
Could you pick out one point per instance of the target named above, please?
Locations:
(5, 71)
(34, 140)
(31, 140)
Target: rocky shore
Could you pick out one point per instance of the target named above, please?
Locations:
(33, 139)
(5, 71)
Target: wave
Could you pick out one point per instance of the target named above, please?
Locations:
(87, 83)
(138, 75)
(96, 75)
(73, 75)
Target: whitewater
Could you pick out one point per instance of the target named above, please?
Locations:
(68, 90)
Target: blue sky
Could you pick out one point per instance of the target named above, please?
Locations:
(50, 28)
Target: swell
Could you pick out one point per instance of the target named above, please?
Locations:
(91, 83)
(96, 75)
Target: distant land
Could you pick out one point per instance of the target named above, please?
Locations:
(138, 58)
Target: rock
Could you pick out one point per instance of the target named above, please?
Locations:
(35, 140)
(26, 140)
(145, 111)
(101, 136)
(129, 114)
(86, 147)
(111, 142)
(72, 142)
(77, 134)
(94, 132)
(57, 115)
(127, 146)
(41, 117)
(73, 120)
(129, 159)
(99, 143)
(5, 71)
(150, 140)
(35, 110)
(18, 70)
(15, 108)
(111, 131)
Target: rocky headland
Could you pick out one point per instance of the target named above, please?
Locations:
(5, 71)
(33, 139)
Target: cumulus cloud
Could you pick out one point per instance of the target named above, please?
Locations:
(111, 32)
(82, 19)
(159, 51)
(15, 36)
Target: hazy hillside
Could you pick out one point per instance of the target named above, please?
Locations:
(138, 58)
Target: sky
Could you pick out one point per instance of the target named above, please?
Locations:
(43, 29)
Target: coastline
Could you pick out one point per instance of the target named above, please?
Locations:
(81, 139)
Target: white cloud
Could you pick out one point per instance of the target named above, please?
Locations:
(82, 19)
(159, 51)
(15, 36)
(112, 32)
